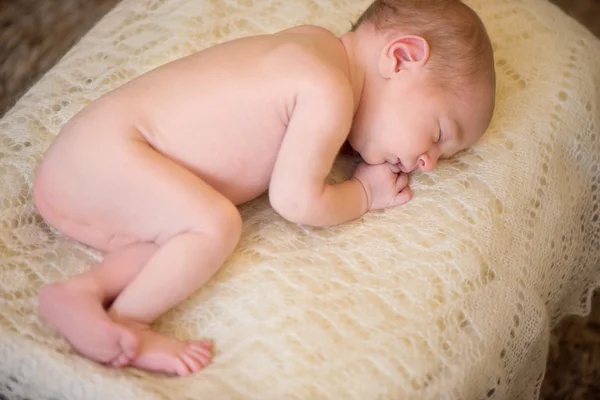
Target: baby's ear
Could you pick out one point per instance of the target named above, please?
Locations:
(403, 52)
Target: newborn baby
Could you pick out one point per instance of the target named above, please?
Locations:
(150, 174)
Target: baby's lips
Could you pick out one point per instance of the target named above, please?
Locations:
(395, 168)
(403, 168)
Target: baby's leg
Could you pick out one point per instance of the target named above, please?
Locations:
(139, 193)
(76, 307)
(198, 230)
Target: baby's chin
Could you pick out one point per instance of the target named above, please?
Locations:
(372, 160)
(367, 156)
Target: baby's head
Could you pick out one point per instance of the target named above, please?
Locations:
(429, 81)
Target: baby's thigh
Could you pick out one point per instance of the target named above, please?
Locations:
(94, 190)
(116, 189)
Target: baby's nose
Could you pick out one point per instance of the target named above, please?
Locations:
(427, 162)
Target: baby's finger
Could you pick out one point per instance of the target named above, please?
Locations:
(403, 197)
(394, 168)
(401, 181)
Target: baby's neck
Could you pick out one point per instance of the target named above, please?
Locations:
(356, 65)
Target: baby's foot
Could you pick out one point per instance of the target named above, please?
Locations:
(160, 353)
(80, 317)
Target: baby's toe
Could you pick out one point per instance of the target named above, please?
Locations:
(207, 344)
(201, 345)
(180, 366)
(199, 353)
(192, 362)
(129, 343)
(120, 361)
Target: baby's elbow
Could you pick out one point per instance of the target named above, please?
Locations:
(291, 208)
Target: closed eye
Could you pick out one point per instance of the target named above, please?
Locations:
(440, 136)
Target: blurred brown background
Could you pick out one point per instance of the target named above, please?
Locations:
(34, 34)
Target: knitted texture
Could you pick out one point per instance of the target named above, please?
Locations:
(449, 296)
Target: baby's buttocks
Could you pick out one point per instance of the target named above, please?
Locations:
(80, 181)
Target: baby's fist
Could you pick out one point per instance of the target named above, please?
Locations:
(384, 184)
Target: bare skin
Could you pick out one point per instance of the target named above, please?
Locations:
(151, 174)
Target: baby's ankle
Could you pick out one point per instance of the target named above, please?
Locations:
(127, 320)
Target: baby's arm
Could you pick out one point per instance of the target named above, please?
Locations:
(317, 129)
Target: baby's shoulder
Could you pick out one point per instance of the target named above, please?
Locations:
(312, 55)
(314, 30)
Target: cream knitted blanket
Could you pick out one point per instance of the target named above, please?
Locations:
(450, 296)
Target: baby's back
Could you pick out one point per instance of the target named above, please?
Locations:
(222, 112)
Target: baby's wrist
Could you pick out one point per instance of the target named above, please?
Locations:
(366, 203)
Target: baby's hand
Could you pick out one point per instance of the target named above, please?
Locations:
(384, 184)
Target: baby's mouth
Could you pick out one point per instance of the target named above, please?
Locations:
(401, 166)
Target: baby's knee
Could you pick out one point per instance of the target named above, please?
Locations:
(224, 224)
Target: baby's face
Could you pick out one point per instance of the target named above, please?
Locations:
(412, 122)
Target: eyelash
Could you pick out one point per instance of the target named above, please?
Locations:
(439, 136)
